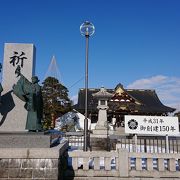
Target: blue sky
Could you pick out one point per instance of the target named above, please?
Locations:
(136, 42)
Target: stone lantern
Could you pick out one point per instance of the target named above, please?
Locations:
(103, 96)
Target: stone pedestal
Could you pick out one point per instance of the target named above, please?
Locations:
(12, 112)
(101, 126)
(101, 129)
(102, 118)
(33, 163)
(102, 133)
(99, 143)
(24, 140)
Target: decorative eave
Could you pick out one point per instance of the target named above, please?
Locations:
(121, 95)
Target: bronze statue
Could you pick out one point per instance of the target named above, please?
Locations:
(30, 93)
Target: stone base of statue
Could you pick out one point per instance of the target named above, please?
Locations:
(99, 144)
(101, 132)
(24, 140)
(100, 139)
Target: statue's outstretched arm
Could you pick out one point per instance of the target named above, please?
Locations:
(18, 72)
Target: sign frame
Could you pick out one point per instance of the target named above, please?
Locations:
(152, 125)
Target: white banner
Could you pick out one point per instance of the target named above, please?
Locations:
(152, 125)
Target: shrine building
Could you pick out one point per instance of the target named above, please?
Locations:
(124, 102)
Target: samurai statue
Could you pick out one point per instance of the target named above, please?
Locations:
(30, 93)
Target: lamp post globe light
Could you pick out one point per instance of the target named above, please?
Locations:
(87, 29)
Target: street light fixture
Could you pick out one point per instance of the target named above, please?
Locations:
(87, 29)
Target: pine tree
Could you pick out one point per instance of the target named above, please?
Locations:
(55, 101)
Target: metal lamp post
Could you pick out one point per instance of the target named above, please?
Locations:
(87, 29)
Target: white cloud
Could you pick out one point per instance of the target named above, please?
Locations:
(167, 88)
(147, 83)
(74, 99)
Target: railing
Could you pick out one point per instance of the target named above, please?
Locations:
(75, 139)
(94, 163)
(154, 165)
(121, 163)
(149, 144)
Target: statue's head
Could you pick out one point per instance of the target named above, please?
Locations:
(35, 79)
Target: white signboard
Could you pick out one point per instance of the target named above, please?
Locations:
(152, 125)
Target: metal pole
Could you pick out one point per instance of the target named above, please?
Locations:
(86, 97)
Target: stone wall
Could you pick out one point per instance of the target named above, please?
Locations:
(29, 168)
(34, 163)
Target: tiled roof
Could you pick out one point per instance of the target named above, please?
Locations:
(144, 101)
